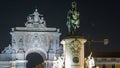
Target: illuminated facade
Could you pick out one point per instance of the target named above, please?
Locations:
(34, 38)
(107, 59)
(107, 62)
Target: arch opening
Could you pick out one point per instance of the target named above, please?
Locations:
(35, 60)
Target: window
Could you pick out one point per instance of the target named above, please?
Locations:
(103, 66)
(113, 65)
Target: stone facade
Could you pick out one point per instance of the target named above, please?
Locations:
(35, 37)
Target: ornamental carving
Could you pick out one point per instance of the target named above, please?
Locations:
(9, 50)
(75, 47)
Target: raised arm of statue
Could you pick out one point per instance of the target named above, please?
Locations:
(90, 55)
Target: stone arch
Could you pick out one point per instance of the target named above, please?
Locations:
(37, 50)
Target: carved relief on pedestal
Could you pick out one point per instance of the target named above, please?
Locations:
(74, 52)
(75, 47)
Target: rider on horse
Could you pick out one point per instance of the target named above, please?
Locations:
(73, 19)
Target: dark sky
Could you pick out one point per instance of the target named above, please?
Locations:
(99, 19)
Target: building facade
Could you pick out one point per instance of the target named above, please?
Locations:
(107, 62)
(34, 38)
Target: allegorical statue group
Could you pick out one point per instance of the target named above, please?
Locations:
(59, 62)
(89, 62)
(35, 18)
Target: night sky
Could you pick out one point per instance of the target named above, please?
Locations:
(99, 19)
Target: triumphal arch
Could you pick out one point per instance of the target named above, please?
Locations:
(34, 38)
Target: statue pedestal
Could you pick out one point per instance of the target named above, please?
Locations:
(74, 51)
